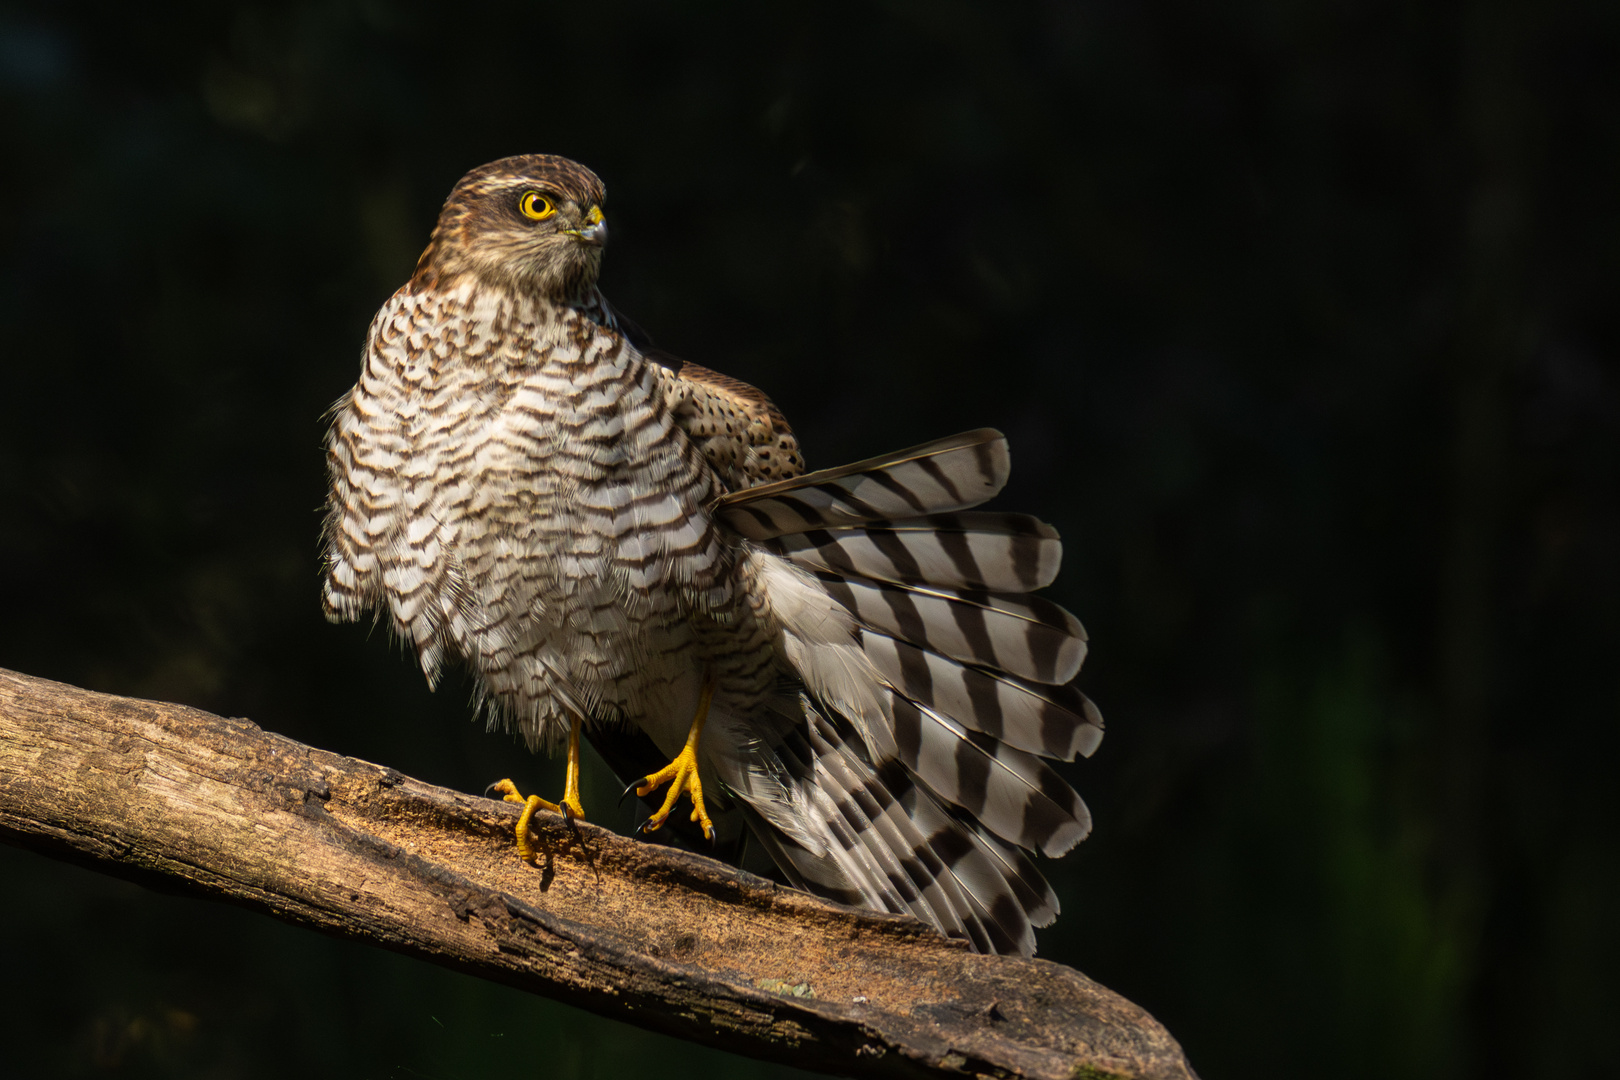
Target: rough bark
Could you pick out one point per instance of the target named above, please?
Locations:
(664, 939)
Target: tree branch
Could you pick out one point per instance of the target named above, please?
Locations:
(661, 938)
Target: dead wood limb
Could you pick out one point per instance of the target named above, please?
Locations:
(667, 940)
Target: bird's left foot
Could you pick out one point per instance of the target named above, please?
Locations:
(682, 776)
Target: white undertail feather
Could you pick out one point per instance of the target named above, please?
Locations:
(819, 643)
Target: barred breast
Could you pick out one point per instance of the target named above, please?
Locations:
(508, 484)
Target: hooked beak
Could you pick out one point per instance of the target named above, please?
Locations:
(593, 232)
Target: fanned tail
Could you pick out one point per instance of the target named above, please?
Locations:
(935, 685)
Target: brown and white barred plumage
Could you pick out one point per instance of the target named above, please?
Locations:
(520, 487)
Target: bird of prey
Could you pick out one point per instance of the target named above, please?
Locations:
(850, 661)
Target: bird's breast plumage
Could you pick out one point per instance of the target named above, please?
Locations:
(509, 485)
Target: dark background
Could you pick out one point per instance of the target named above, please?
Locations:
(1302, 321)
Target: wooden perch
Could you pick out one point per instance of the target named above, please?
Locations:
(663, 939)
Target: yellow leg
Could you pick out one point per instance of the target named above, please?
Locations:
(569, 807)
(682, 773)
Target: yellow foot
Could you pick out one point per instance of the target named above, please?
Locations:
(682, 773)
(568, 808)
(682, 776)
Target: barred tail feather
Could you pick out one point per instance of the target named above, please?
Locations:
(909, 621)
(1020, 635)
(1015, 795)
(973, 550)
(1031, 889)
(880, 838)
(914, 873)
(947, 474)
(834, 825)
(1053, 721)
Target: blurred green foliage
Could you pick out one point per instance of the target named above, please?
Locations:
(1301, 319)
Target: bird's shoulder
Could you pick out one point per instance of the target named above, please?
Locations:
(741, 432)
(737, 427)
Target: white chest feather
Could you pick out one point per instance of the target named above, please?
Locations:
(507, 483)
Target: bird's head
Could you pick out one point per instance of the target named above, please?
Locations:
(531, 224)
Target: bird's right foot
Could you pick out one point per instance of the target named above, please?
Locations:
(569, 807)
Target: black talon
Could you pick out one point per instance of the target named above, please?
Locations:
(633, 785)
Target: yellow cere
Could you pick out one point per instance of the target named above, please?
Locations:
(536, 206)
(594, 216)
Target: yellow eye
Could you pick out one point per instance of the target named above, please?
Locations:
(536, 206)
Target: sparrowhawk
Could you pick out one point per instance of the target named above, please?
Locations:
(849, 660)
